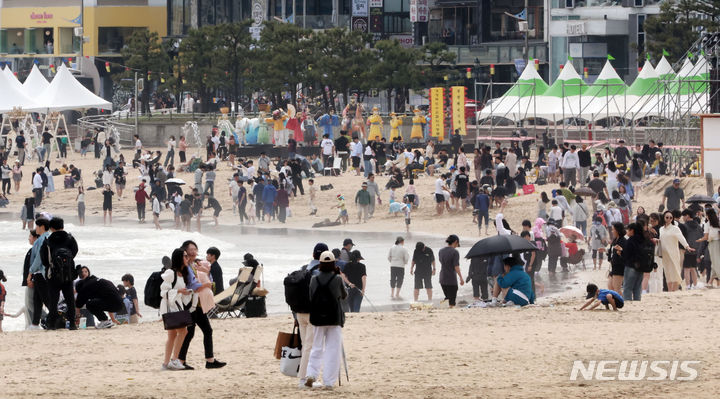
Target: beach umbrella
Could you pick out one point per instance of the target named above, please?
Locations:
(175, 180)
(572, 231)
(499, 245)
(585, 192)
(701, 199)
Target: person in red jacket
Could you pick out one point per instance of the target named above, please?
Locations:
(140, 197)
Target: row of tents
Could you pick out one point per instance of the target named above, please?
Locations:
(36, 94)
(657, 91)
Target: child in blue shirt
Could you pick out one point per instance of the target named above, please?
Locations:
(597, 296)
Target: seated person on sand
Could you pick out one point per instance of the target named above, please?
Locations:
(190, 166)
(608, 298)
(514, 283)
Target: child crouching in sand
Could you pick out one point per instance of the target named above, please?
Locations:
(608, 298)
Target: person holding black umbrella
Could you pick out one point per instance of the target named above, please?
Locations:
(450, 266)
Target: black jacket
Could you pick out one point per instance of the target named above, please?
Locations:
(617, 263)
(26, 267)
(58, 239)
(98, 288)
(217, 276)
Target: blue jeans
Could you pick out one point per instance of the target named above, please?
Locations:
(483, 215)
(582, 226)
(632, 284)
(354, 299)
(368, 168)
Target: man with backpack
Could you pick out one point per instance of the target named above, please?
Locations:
(297, 296)
(58, 253)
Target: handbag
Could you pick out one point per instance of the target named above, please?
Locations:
(290, 361)
(284, 339)
(179, 319)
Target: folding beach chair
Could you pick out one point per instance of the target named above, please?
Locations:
(231, 302)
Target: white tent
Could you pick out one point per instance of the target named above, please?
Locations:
(14, 96)
(563, 99)
(35, 83)
(518, 103)
(12, 78)
(665, 70)
(645, 95)
(606, 97)
(66, 93)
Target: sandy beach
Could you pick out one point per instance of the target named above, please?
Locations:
(504, 352)
(424, 220)
(437, 353)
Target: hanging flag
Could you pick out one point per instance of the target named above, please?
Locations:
(585, 72)
(570, 58)
(537, 64)
(492, 69)
(36, 62)
(665, 53)
(522, 14)
(610, 57)
(647, 56)
(162, 78)
(107, 66)
(702, 52)
(691, 55)
(52, 68)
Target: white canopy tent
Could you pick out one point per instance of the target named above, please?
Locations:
(606, 97)
(13, 96)
(66, 93)
(519, 102)
(35, 83)
(563, 99)
(12, 78)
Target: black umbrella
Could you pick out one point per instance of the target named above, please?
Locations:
(499, 245)
(702, 199)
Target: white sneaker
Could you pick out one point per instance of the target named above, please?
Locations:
(33, 327)
(175, 364)
(105, 324)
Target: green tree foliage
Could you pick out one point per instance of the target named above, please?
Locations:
(146, 55)
(396, 69)
(280, 61)
(201, 66)
(438, 61)
(677, 26)
(341, 60)
(234, 52)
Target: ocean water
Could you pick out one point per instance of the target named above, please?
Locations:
(138, 250)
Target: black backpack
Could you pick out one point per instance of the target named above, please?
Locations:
(62, 265)
(152, 290)
(646, 257)
(325, 309)
(297, 289)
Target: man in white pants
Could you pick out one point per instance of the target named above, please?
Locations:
(328, 322)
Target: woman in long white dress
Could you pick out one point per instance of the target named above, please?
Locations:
(712, 236)
(51, 183)
(670, 237)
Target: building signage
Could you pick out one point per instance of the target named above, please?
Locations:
(376, 3)
(258, 17)
(404, 40)
(360, 8)
(360, 24)
(40, 17)
(376, 19)
(575, 29)
(419, 10)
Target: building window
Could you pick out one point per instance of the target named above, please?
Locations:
(111, 40)
(641, 32)
(178, 17)
(397, 16)
(68, 42)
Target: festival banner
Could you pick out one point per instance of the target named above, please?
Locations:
(437, 104)
(458, 108)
